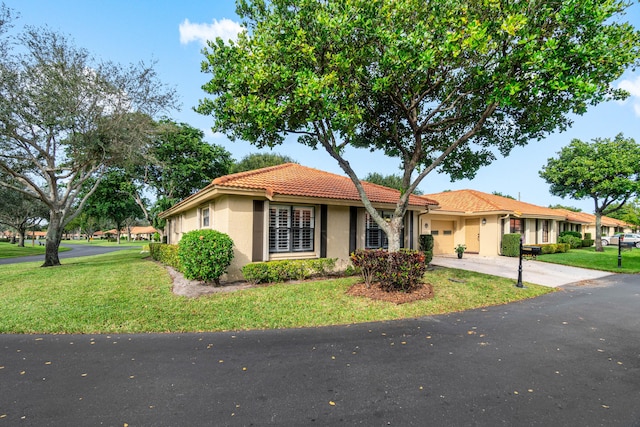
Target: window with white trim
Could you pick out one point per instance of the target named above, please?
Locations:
(291, 228)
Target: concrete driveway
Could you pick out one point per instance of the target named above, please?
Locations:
(537, 272)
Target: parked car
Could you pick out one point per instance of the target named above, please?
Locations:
(631, 239)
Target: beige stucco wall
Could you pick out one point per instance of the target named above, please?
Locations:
(338, 232)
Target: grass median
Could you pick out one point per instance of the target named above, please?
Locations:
(123, 292)
(604, 261)
(12, 250)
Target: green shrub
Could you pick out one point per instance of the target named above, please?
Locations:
(397, 271)
(587, 243)
(587, 236)
(511, 245)
(572, 240)
(426, 246)
(288, 269)
(205, 254)
(570, 233)
(166, 254)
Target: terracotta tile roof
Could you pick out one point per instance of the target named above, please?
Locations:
(581, 217)
(472, 201)
(297, 180)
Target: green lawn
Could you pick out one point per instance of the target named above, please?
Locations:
(123, 292)
(8, 250)
(103, 242)
(605, 261)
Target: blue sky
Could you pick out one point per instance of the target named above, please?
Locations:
(172, 32)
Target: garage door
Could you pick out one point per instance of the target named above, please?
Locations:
(442, 232)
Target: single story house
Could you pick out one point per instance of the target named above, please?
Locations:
(291, 211)
(584, 222)
(479, 220)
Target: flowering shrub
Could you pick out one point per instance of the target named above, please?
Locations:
(205, 254)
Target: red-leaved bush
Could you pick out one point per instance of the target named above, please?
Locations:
(396, 271)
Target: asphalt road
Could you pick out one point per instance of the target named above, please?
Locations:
(570, 358)
(76, 251)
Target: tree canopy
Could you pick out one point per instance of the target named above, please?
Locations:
(391, 181)
(438, 85)
(66, 117)
(113, 199)
(260, 160)
(181, 162)
(605, 170)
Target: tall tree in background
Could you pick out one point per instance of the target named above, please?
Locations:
(113, 199)
(436, 84)
(391, 181)
(629, 212)
(66, 117)
(19, 210)
(605, 170)
(180, 162)
(255, 161)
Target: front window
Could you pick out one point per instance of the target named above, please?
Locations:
(516, 225)
(545, 231)
(291, 228)
(205, 217)
(375, 238)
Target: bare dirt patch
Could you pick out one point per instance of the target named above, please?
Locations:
(194, 288)
(376, 293)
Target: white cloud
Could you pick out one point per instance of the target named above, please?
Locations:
(225, 29)
(633, 87)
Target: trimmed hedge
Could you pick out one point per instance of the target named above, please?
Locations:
(397, 271)
(166, 254)
(511, 245)
(587, 243)
(426, 246)
(570, 233)
(574, 241)
(287, 269)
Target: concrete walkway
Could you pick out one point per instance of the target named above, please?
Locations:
(537, 272)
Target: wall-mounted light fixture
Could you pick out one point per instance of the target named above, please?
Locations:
(484, 221)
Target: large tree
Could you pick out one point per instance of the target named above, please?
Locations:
(65, 117)
(113, 199)
(605, 170)
(179, 163)
(439, 85)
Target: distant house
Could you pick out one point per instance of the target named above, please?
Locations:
(479, 220)
(291, 211)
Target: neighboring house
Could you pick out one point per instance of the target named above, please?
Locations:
(137, 233)
(291, 211)
(479, 220)
(143, 232)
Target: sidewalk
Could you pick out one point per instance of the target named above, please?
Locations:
(540, 273)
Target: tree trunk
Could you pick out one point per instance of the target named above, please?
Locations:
(21, 234)
(54, 234)
(394, 235)
(598, 215)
